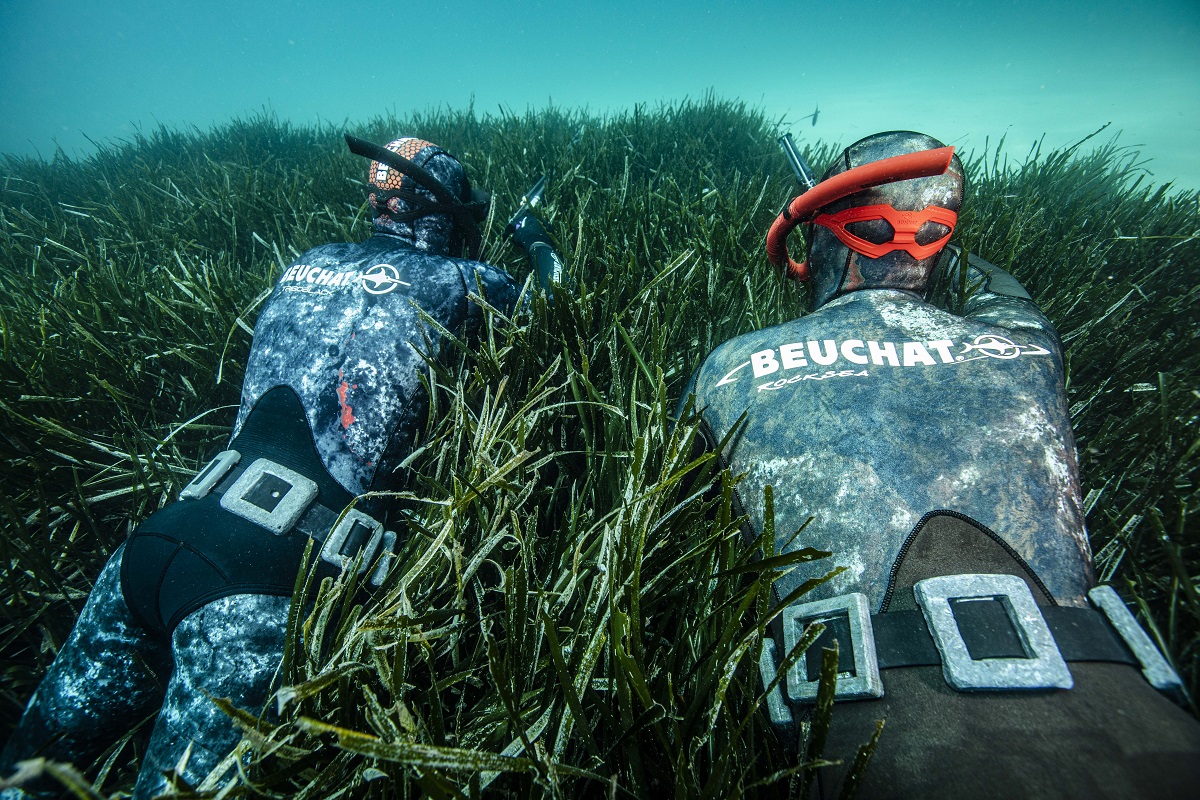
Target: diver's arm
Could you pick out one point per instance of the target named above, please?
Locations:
(530, 235)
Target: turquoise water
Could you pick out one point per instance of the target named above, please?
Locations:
(965, 72)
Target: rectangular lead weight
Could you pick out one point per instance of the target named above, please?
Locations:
(865, 682)
(1044, 669)
(1156, 669)
(270, 495)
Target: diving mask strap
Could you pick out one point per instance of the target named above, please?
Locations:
(361, 147)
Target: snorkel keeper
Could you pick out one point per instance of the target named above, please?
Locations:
(804, 208)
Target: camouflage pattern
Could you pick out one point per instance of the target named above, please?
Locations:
(230, 648)
(110, 675)
(343, 329)
(878, 408)
(107, 677)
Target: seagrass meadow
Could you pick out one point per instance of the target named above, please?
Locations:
(574, 611)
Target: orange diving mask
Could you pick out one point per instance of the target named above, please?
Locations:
(803, 208)
(905, 226)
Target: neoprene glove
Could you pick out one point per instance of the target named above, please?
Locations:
(528, 231)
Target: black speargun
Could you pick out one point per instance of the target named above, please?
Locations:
(528, 232)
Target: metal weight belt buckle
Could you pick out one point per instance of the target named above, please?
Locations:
(777, 707)
(1042, 668)
(355, 532)
(270, 495)
(211, 475)
(276, 498)
(1154, 667)
(863, 683)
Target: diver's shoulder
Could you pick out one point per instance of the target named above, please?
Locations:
(739, 347)
(377, 248)
(480, 270)
(330, 252)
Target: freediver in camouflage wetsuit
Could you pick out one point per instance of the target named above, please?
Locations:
(923, 443)
(196, 601)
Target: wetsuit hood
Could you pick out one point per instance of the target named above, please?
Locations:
(855, 242)
(418, 192)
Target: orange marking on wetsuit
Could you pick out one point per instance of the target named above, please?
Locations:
(347, 411)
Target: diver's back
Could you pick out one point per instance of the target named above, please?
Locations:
(880, 408)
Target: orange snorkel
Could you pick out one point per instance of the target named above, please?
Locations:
(804, 207)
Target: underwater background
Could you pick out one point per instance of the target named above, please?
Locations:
(574, 611)
(964, 72)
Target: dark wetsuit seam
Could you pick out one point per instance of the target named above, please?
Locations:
(942, 512)
(168, 626)
(166, 565)
(208, 561)
(229, 589)
(179, 545)
(127, 581)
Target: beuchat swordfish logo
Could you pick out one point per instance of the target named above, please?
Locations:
(378, 279)
(382, 279)
(785, 361)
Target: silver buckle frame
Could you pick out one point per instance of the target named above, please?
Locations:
(1156, 668)
(385, 559)
(353, 522)
(1045, 669)
(270, 495)
(778, 709)
(210, 475)
(865, 683)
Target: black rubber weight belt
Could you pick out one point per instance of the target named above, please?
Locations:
(903, 640)
(315, 523)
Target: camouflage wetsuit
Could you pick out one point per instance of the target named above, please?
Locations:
(197, 599)
(878, 408)
(880, 416)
